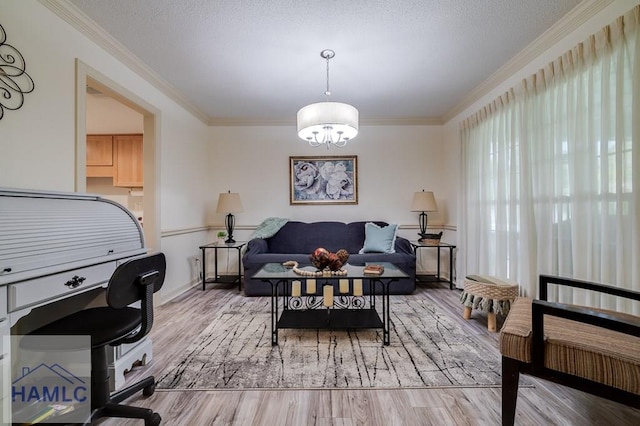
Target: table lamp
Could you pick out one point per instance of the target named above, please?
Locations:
(229, 203)
(423, 202)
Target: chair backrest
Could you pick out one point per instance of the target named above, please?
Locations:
(136, 280)
(130, 278)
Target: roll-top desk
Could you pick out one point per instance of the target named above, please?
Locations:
(57, 253)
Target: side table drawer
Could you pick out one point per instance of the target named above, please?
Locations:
(41, 290)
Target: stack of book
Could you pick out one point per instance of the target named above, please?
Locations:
(373, 269)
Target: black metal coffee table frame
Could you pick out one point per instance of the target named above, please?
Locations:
(347, 312)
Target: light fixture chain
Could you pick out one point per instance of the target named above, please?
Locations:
(328, 92)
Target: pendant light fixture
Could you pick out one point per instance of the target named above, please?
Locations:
(328, 123)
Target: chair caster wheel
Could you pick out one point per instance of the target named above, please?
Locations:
(149, 390)
(154, 420)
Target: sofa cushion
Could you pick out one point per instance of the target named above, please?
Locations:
(379, 239)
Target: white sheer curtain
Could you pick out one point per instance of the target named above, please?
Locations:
(547, 172)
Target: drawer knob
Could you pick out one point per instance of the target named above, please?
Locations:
(6, 270)
(75, 281)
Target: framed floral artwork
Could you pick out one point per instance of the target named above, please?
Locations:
(323, 180)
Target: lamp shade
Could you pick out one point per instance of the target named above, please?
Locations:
(229, 202)
(314, 119)
(424, 202)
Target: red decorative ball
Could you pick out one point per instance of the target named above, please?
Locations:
(334, 262)
(320, 258)
(343, 255)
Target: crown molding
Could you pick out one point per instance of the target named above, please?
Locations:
(231, 122)
(405, 121)
(80, 21)
(561, 29)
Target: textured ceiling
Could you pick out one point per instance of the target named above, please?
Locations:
(260, 59)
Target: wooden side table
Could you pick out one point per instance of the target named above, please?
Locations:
(430, 278)
(219, 278)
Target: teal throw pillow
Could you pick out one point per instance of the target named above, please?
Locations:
(379, 239)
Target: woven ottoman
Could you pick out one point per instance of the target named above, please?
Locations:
(488, 294)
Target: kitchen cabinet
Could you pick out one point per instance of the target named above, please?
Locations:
(116, 156)
(99, 156)
(128, 160)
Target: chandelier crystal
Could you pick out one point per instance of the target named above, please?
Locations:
(328, 123)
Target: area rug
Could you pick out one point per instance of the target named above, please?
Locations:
(428, 349)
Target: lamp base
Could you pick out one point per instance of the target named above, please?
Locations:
(422, 221)
(229, 223)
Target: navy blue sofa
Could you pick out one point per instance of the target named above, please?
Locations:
(297, 240)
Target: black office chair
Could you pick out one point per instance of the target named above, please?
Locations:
(134, 280)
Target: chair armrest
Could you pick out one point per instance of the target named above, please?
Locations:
(546, 280)
(540, 308)
(585, 315)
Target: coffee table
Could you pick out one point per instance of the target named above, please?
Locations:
(355, 304)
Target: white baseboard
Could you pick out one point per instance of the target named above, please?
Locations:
(166, 297)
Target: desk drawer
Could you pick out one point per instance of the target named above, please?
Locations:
(3, 302)
(4, 331)
(5, 384)
(4, 326)
(41, 290)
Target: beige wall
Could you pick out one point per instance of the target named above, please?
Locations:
(105, 115)
(393, 163)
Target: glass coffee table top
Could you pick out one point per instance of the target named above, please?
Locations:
(279, 271)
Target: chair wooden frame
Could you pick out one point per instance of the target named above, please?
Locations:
(512, 368)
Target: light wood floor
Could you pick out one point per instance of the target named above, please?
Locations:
(179, 322)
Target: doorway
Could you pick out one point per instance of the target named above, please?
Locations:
(115, 174)
(88, 78)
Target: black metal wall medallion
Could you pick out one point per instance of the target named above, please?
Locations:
(14, 80)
